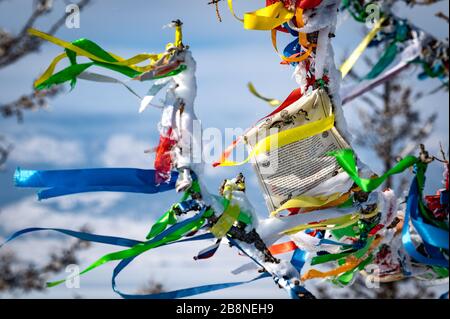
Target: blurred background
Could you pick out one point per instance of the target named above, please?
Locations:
(97, 125)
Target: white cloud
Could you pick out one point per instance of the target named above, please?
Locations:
(95, 202)
(124, 150)
(48, 150)
(78, 209)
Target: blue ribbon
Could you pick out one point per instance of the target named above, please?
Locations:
(431, 235)
(298, 259)
(291, 31)
(325, 241)
(291, 49)
(64, 182)
(181, 293)
(119, 241)
(110, 240)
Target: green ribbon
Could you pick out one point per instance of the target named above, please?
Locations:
(346, 160)
(327, 258)
(358, 13)
(440, 271)
(349, 231)
(180, 69)
(386, 59)
(244, 217)
(347, 277)
(340, 256)
(169, 218)
(71, 73)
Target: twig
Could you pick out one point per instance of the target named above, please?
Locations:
(216, 3)
(441, 15)
(442, 151)
(23, 44)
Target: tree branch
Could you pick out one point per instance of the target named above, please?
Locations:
(14, 48)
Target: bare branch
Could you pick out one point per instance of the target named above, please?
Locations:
(216, 3)
(14, 48)
(33, 101)
(443, 16)
(5, 150)
(421, 2)
(21, 276)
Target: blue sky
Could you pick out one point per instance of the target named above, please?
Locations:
(98, 125)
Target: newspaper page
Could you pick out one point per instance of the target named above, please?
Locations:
(296, 168)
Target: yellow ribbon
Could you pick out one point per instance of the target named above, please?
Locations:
(230, 5)
(268, 18)
(223, 225)
(178, 36)
(252, 89)
(303, 201)
(331, 224)
(339, 201)
(350, 62)
(131, 62)
(265, 18)
(287, 137)
(50, 70)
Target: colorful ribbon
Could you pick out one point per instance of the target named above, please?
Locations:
(293, 290)
(282, 248)
(252, 89)
(294, 96)
(346, 160)
(110, 240)
(226, 221)
(266, 18)
(313, 202)
(119, 241)
(287, 137)
(433, 238)
(385, 60)
(98, 56)
(331, 223)
(65, 182)
(182, 293)
(352, 260)
(351, 60)
(172, 234)
(168, 218)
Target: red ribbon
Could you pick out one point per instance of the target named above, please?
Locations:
(282, 248)
(293, 97)
(163, 159)
(304, 4)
